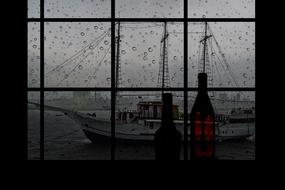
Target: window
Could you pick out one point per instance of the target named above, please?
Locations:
(100, 63)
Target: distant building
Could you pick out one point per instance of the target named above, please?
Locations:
(82, 95)
(223, 96)
(81, 98)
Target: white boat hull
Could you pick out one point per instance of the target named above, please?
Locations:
(97, 130)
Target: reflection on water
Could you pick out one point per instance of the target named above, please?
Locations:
(64, 140)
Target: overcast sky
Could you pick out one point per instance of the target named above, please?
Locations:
(221, 8)
(140, 45)
(144, 8)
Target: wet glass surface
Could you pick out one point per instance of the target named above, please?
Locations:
(69, 118)
(221, 8)
(33, 8)
(33, 126)
(77, 8)
(230, 53)
(78, 54)
(149, 9)
(33, 54)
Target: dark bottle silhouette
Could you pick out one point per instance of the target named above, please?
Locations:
(202, 120)
(167, 137)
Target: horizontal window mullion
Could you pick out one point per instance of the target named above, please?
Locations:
(244, 89)
(77, 89)
(33, 89)
(230, 89)
(72, 20)
(142, 20)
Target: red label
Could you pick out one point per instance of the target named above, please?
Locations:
(203, 140)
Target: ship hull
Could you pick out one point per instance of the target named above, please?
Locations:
(99, 130)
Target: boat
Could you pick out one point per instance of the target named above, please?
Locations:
(141, 124)
(239, 123)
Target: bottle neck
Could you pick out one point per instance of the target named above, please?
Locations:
(167, 111)
(202, 82)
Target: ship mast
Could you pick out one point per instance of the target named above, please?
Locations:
(204, 41)
(164, 50)
(117, 76)
(163, 75)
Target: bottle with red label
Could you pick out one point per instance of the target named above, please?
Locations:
(202, 119)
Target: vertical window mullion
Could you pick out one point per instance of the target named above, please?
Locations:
(42, 80)
(26, 81)
(113, 90)
(185, 80)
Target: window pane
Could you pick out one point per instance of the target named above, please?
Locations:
(149, 9)
(141, 54)
(230, 54)
(77, 8)
(78, 55)
(33, 8)
(33, 54)
(138, 116)
(33, 126)
(221, 8)
(73, 120)
(235, 117)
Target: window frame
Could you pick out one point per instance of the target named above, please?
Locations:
(113, 89)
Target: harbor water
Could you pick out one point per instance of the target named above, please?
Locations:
(64, 140)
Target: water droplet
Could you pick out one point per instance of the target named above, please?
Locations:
(123, 52)
(34, 46)
(34, 81)
(134, 48)
(106, 42)
(153, 61)
(80, 67)
(82, 34)
(150, 49)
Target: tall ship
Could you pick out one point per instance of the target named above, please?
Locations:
(140, 124)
